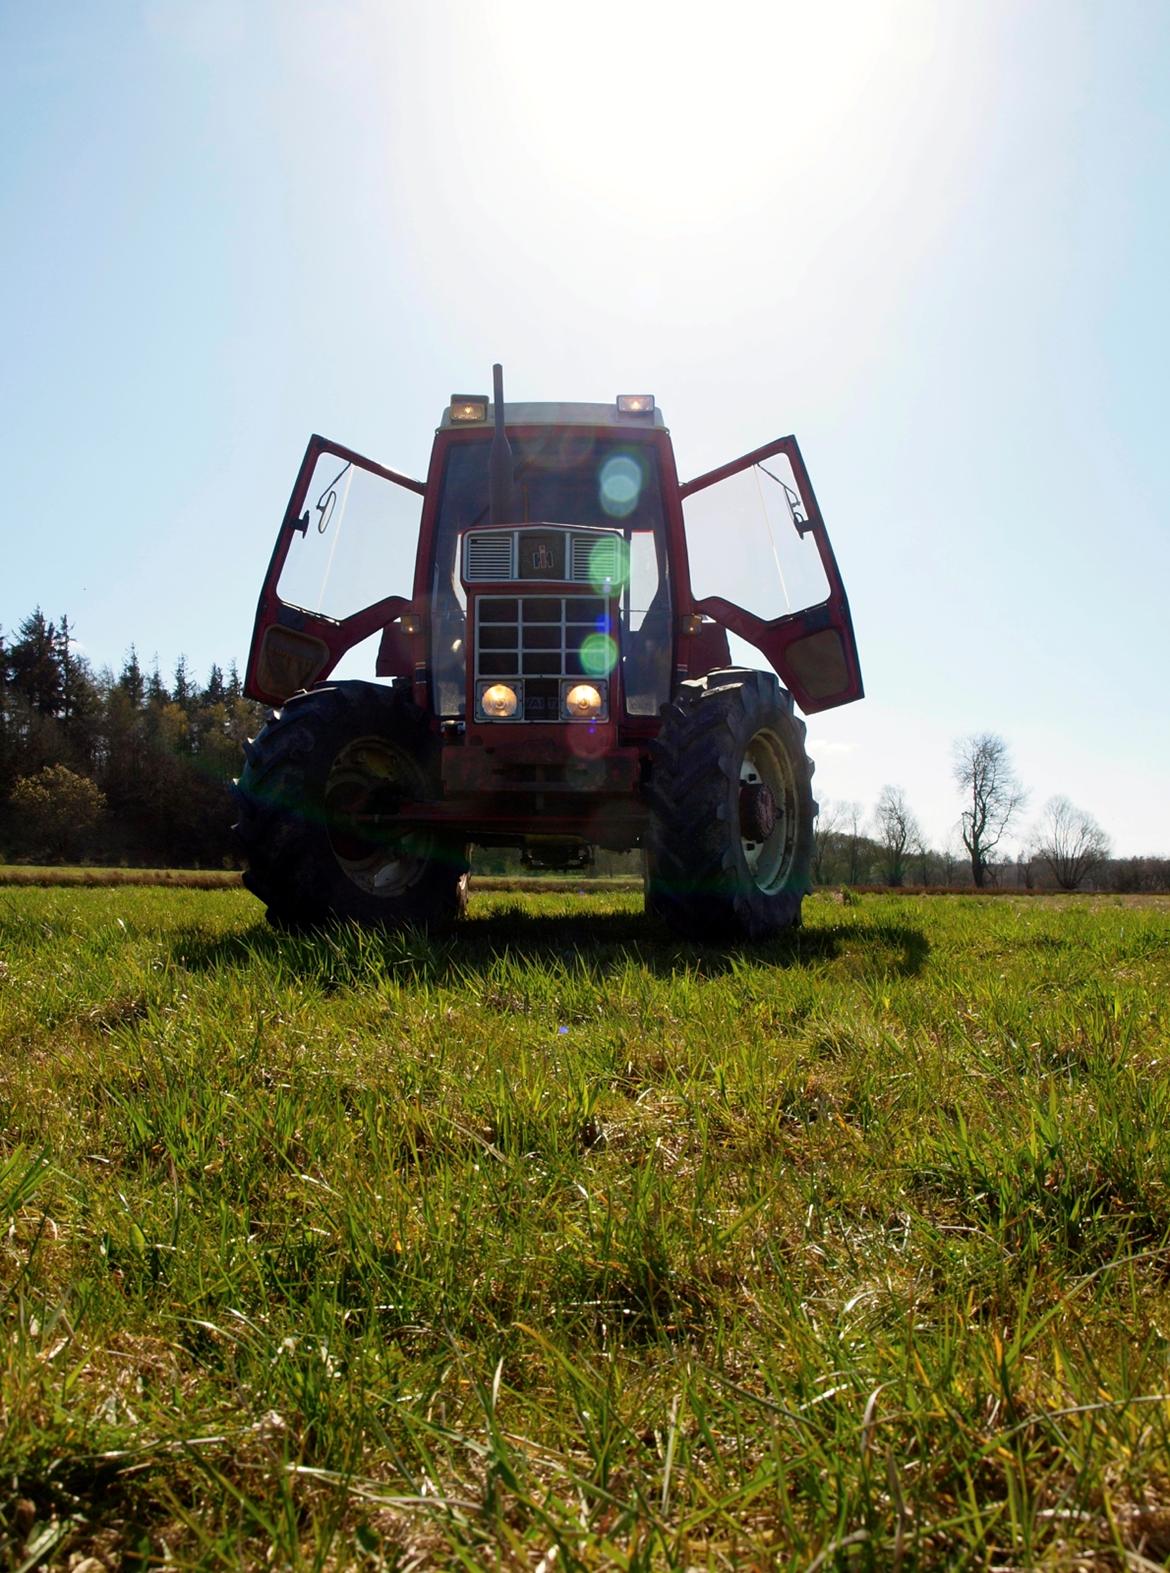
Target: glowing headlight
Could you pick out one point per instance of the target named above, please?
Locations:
(583, 702)
(499, 701)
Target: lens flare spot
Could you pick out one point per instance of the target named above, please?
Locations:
(620, 485)
(609, 565)
(599, 654)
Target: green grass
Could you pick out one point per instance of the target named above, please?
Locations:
(565, 1245)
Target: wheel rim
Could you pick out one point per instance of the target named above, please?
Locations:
(766, 773)
(369, 777)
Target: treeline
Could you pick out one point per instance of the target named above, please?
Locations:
(882, 848)
(1063, 849)
(131, 769)
(115, 768)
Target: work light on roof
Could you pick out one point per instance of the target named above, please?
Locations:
(635, 404)
(467, 408)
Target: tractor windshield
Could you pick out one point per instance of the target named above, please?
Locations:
(561, 477)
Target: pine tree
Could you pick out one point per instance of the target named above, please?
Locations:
(156, 689)
(35, 665)
(79, 701)
(183, 690)
(130, 679)
(215, 692)
(7, 759)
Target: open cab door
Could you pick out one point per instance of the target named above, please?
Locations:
(754, 532)
(351, 528)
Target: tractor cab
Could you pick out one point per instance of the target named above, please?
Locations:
(537, 609)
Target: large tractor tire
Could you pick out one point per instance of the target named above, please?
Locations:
(327, 758)
(729, 853)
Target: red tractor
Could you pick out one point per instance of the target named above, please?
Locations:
(556, 675)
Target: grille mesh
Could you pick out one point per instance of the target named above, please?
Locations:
(535, 636)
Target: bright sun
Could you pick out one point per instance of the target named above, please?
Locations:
(661, 116)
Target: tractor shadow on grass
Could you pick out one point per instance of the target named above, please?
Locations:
(603, 943)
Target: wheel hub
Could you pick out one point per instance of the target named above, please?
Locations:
(363, 791)
(767, 810)
(757, 810)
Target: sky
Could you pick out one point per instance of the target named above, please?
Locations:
(933, 241)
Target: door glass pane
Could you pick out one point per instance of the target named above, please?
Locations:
(646, 631)
(448, 637)
(744, 544)
(359, 543)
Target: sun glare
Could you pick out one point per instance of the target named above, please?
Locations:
(660, 118)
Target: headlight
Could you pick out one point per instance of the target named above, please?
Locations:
(498, 702)
(582, 701)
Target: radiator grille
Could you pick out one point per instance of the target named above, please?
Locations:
(535, 636)
(594, 558)
(491, 556)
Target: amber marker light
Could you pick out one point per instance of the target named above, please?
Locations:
(499, 702)
(583, 702)
(635, 404)
(467, 408)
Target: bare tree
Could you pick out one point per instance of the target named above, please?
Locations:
(828, 822)
(854, 838)
(928, 861)
(984, 773)
(1071, 842)
(897, 833)
(950, 859)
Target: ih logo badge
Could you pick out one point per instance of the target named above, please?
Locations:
(541, 555)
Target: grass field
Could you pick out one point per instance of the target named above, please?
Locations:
(564, 1245)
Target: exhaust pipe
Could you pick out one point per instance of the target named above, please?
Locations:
(500, 471)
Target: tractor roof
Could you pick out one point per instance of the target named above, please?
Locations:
(563, 415)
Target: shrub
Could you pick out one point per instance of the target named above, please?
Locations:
(55, 810)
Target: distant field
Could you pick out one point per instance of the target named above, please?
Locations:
(582, 883)
(565, 1245)
(55, 874)
(229, 879)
